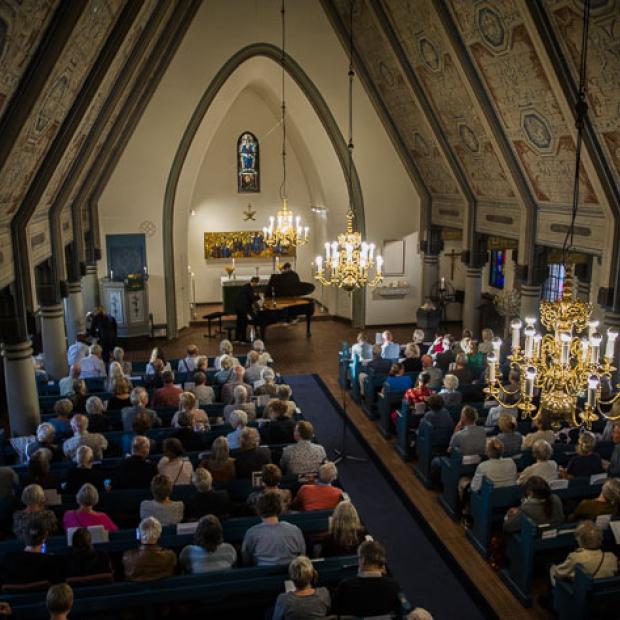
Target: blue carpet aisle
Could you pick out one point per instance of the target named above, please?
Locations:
(427, 574)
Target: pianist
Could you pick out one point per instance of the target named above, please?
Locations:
(244, 307)
(283, 283)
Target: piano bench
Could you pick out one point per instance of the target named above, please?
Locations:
(213, 316)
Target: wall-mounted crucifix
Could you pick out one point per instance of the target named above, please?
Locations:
(453, 256)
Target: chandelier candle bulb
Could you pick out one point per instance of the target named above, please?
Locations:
(372, 251)
(497, 346)
(565, 341)
(595, 344)
(537, 345)
(611, 344)
(530, 376)
(379, 264)
(327, 251)
(592, 327)
(515, 325)
(319, 264)
(491, 361)
(585, 349)
(593, 384)
(530, 332)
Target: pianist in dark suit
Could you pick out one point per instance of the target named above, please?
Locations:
(283, 283)
(244, 307)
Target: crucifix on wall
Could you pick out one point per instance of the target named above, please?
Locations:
(453, 256)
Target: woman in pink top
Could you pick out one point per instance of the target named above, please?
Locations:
(85, 516)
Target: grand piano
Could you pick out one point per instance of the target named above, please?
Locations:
(286, 301)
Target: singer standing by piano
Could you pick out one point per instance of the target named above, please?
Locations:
(245, 307)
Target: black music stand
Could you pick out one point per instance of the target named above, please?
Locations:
(341, 455)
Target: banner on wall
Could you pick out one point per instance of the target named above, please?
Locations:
(241, 244)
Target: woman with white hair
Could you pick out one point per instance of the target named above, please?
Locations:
(33, 497)
(226, 371)
(86, 516)
(45, 439)
(207, 500)
(450, 394)
(157, 354)
(586, 462)
(412, 361)
(322, 495)
(83, 472)
(118, 355)
(240, 402)
(307, 600)
(95, 412)
(486, 345)
(545, 466)
(269, 388)
(226, 350)
(149, 562)
(187, 404)
(115, 372)
(607, 503)
(259, 346)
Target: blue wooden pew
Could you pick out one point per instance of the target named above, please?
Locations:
(431, 442)
(452, 468)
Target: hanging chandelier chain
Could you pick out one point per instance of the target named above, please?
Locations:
(283, 62)
(350, 145)
(581, 112)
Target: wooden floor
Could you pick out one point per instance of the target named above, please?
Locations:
(296, 354)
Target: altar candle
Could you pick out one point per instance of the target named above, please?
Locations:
(442, 286)
(515, 325)
(611, 344)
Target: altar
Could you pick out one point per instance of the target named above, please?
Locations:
(231, 286)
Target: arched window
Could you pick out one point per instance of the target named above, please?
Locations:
(248, 163)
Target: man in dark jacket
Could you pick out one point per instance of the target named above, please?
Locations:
(104, 328)
(244, 307)
(280, 428)
(136, 471)
(207, 501)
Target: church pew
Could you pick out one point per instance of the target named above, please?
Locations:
(452, 469)
(586, 597)
(488, 505)
(387, 402)
(430, 443)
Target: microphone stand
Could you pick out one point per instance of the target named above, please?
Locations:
(341, 455)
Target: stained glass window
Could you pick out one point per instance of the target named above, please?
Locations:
(554, 284)
(248, 161)
(496, 272)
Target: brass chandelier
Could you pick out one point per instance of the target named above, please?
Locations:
(562, 371)
(349, 262)
(285, 230)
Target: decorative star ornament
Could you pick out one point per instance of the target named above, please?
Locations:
(249, 214)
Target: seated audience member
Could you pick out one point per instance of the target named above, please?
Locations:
(32, 564)
(45, 439)
(270, 483)
(362, 348)
(85, 560)
(543, 426)
(206, 500)
(607, 503)
(79, 396)
(418, 338)
(136, 471)
(304, 457)
(321, 495)
(83, 472)
(199, 418)
(468, 438)
(434, 373)
(509, 435)
(154, 379)
(81, 437)
(412, 361)
(149, 561)
(36, 509)
(121, 395)
(65, 385)
(475, 359)
(238, 420)
(281, 427)
(237, 378)
(437, 415)
(85, 516)
(250, 456)
(174, 463)
(586, 462)
(95, 412)
(461, 370)
(226, 372)
(254, 369)
(92, 365)
(226, 350)
(272, 541)
(538, 503)
(449, 392)
(284, 394)
(438, 344)
(485, 346)
(500, 471)
(496, 412)
(39, 471)
(139, 399)
(115, 372)
(77, 351)
(205, 395)
(270, 387)
(544, 467)
(307, 600)
(397, 379)
(59, 601)
(389, 349)
(259, 346)
(372, 592)
(240, 402)
(62, 423)
(219, 463)
(118, 355)
(157, 354)
(421, 392)
(444, 359)
(589, 555)
(613, 468)
(185, 433)
(209, 552)
(188, 363)
(169, 394)
(166, 511)
(376, 365)
(346, 532)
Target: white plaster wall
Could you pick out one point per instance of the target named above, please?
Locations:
(136, 189)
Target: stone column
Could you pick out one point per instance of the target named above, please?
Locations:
(21, 389)
(612, 321)
(90, 288)
(530, 302)
(430, 274)
(54, 342)
(471, 304)
(74, 312)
